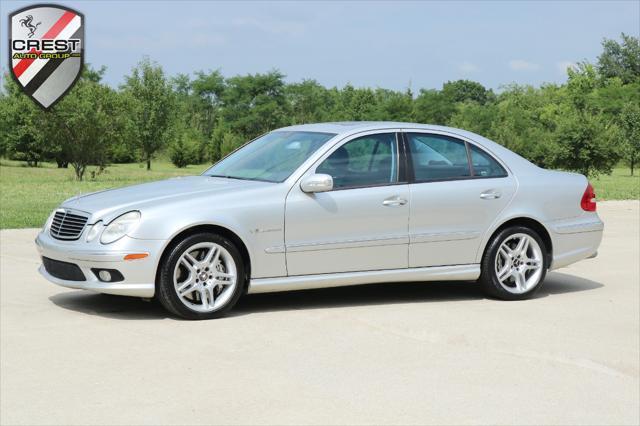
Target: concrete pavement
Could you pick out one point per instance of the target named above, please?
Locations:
(433, 353)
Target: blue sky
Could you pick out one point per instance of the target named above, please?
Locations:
(375, 44)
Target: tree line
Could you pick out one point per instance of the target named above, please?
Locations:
(589, 124)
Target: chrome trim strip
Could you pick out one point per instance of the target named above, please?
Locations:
(443, 236)
(333, 245)
(305, 282)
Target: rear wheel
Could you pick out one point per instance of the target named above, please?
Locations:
(202, 277)
(514, 264)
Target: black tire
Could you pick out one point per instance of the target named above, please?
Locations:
(488, 278)
(165, 290)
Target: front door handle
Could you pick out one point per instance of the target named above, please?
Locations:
(394, 201)
(490, 195)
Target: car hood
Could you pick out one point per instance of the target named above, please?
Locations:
(109, 203)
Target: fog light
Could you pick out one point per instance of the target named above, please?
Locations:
(108, 275)
(104, 275)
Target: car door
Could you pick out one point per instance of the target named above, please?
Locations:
(360, 225)
(457, 191)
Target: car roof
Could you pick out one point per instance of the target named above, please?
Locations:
(347, 128)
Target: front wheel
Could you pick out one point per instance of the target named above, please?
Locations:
(514, 264)
(202, 277)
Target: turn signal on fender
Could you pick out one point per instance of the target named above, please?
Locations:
(136, 256)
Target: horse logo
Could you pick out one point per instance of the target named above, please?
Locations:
(27, 22)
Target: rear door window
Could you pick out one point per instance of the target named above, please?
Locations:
(438, 157)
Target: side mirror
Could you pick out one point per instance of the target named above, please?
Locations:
(317, 183)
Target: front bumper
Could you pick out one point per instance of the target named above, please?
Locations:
(139, 275)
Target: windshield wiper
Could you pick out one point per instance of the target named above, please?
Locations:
(238, 178)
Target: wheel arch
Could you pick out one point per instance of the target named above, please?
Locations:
(530, 223)
(215, 229)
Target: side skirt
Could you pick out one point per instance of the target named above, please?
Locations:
(306, 282)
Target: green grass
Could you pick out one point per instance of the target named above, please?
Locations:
(29, 194)
(619, 185)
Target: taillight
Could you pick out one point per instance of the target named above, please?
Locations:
(588, 202)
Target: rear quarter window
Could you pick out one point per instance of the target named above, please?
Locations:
(484, 165)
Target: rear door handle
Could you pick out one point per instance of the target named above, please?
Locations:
(394, 201)
(490, 195)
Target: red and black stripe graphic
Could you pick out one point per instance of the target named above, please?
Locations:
(48, 69)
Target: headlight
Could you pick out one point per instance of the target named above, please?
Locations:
(119, 227)
(94, 231)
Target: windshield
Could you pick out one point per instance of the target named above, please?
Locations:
(270, 158)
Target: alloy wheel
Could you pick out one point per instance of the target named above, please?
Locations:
(518, 263)
(205, 277)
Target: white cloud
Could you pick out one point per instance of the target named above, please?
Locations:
(522, 65)
(563, 65)
(468, 67)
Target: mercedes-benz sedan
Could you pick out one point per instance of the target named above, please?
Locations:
(325, 205)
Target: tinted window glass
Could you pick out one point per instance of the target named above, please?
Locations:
(271, 158)
(484, 165)
(437, 157)
(366, 161)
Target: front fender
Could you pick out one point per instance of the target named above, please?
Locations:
(257, 220)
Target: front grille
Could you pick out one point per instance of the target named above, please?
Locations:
(63, 270)
(67, 225)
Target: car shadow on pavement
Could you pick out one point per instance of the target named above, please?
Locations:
(130, 308)
(392, 293)
(109, 306)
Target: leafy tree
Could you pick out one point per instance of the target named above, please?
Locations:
(308, 102)
(355, 104)
(582, 83)
(474, 117)
(230, 142)
(254, 104)
(466, 90)
(393, 106)
(58, 142)
(629, 123)
(586, 143)
(153, 106)
(181, 85)
(91, 74)
(21, 134)
(185, 148)
(207, 91)
(621, 60)
(432, 107)
(91, 120)
(524, 124)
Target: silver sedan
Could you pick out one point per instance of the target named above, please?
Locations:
(324, 205)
